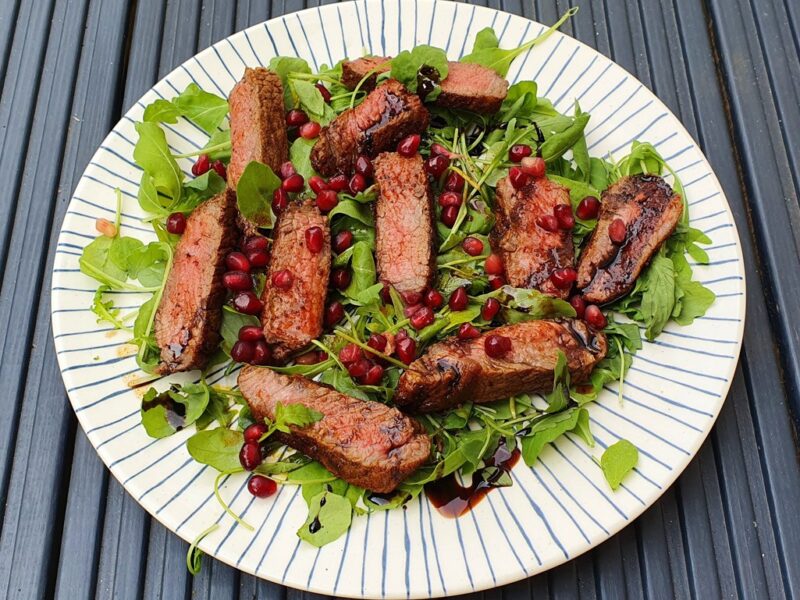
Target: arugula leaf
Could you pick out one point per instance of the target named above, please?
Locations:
(202, 108)
(309, 97)
(329, 516)
(658, 299)
(556, 145)
(218, 448)
(254, 194)
(520, 100)
(617, 461)
(105, 310)
(532, 305)
(295, 414)
(558, 398)
(218, 146)
(232, 322)
(300, 155)
(406, 66)
(362, 265)
(161, 414)
(153, 156)
(546, 430)
(283, 66)
(161, 111)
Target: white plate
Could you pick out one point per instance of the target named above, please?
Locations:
(553, 512)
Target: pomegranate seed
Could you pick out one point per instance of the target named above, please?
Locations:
(309, 358)
(338, 183)
(261, 487)
(258, 259)
(617, 231)
(422, 318)
(563, 213)
(468, 331)
(108, 229)
(350, 354)
(247, 303)
(409, 145)
(472, 246)
(315, 239)
(334, 313)
(250, 333)
(242, 351)
(282, 279)
(201, 165)
(261, 353)
(317, 184)
(411, 298)
(310, 130)
(497, 346)
(406, 348)
(357, 184)
(454, 182)
(237, 281)
(342, 241)
(547, 222)
(250, 456)
(519, 151)
(436, 165)
(256, 243)
(295, 118)
(579, 304)
(449, 215)
(176, 223)
(327, 200)
(533, 166)
(496, 281)
(280, 200)
(440, 150)
(433, 299)
(377, 341)
(563, 278)
(517, 177)
(364, 166)
(254, 432)
(411, 309)
(490, 309)
(374, 375)
(357, 370)
(326, 94)
(219, 167)
(458, 299)
(400, 335)
(236, 261)
(493, 265)
(588, 208)
(450, 199)
(340, 278)
(595, 317)
(286, 170)
(293, 183)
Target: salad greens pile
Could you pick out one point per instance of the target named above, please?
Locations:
(479, 148)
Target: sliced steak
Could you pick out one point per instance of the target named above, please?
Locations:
(387, 115)
(651, 211)
(455, 371)
(189, 316)
(258, 125)
(293, 317)
(404, 223)
(367, 444)
(467, 86)
(530, 253)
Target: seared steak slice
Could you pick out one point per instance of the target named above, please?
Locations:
(651, 211)
(467, 86)
(530, 253)
(455, 371)
(404, 223)
(190, 314)
(258, 125)
(293, 317)
(368, 444)
(387, 115)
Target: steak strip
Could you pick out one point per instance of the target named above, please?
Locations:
(455, 371)
(367, 444)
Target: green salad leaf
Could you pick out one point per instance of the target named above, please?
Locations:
(617, 461)
(407, 64)
(202, 108)
(218, 448)
(254, 194)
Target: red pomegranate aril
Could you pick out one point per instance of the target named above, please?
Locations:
(533, 166)
(517, 177)
(422, 318)
(342, 241)
(286, 169)
(315, 239)
(242, 351)
(256, 243)
(588, 208)
(317, 184)
(595, 317)
(433, 299)
(338, 182)
(236, 261)
(282, 279)
(438, 149)
(547, 222)
(563, 213)
(250, 455)
(340, 278)
(579, 304)
(496, 282)
(280, 200)
(261, 353)
(472, 246)
(247, 303)
(295, 118)
(400, 335)
(450, 199)
(373, 376)
(201, 165)
(258, 259)
(409, 145)
(411, 298)
(293, 183)
(327, 200)
(458, 299)
(468, 331)
(563, 278)
(357, 184)
(325, 92)
(454, 182)
(377, 341)
(364, 166)
(405, 348)
(350, 354)
(250, 333)
(497, 346)
(261, 487)
(519, 151)
(449, 215)
(358, 369)
(490, 309)
(309, 358)
(493, 265)
(253, 432)
(219, 167)
(237, 281)
(410, 309)
(334, 313)
(436, 165)
(617, 231)
(310, 130)
(106, 228)
(176, 223)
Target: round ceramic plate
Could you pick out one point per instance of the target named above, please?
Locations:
(554, 511)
